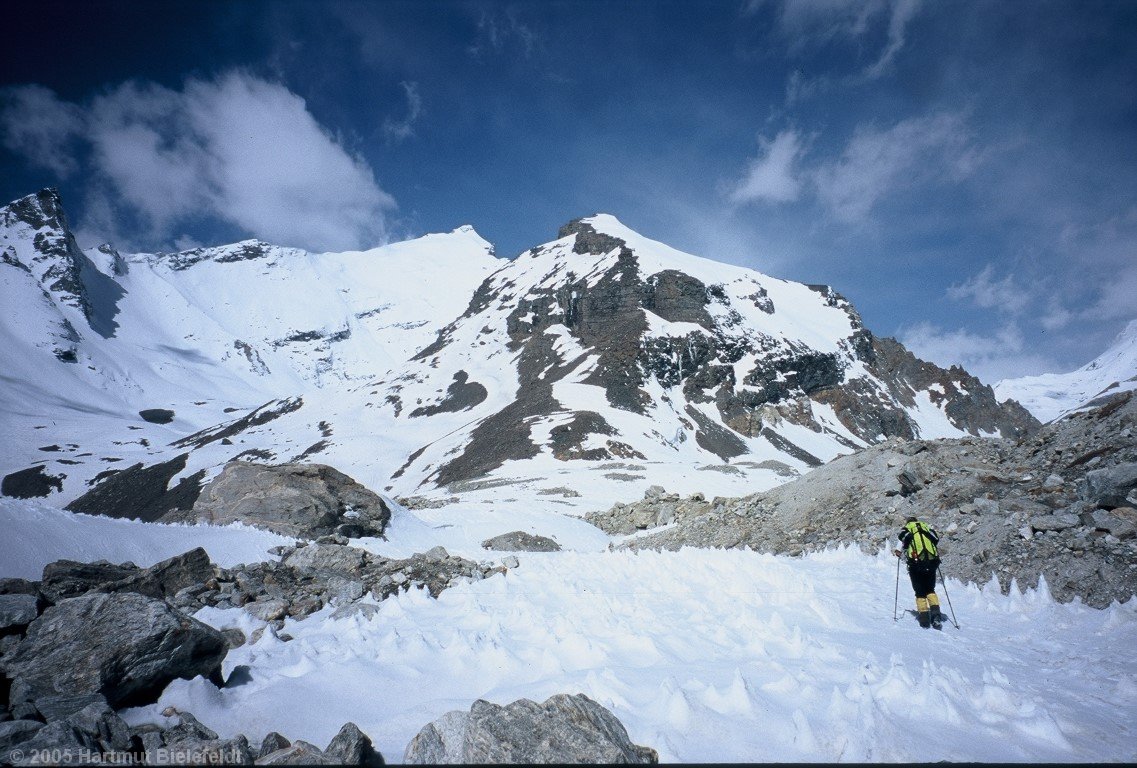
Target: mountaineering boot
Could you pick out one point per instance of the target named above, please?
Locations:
(923, 613)
(934, 609)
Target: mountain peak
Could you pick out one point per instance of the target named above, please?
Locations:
(38, 210)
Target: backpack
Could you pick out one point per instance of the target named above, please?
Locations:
(921, 546)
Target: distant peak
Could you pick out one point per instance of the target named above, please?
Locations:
(597, 234)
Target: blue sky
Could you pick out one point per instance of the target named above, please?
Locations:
(964, 172)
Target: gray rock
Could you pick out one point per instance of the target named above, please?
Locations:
(520, 541)
(68, 578)
(341, 590)
(60, 738)
(510, 561)
(62, 707)
(1055, 522)
(436, 553)
(126, 646)
(11, 586)
(15, 732)
(909, 481)
(103, 724)
(1109, 487)
(188, 729)
(272, 742)
(439, 743)
(234, 637)
(234, 751)
(352, 747)
(16, 612)
(1053, 482)
(301, 500)
(297, 753)
(167, 578)
(268, 610)
(564, 729)
(1120, 522)
(328, 557)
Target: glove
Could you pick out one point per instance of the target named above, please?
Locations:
(897, 552)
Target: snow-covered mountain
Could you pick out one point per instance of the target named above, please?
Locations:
(576, 374)
(1053, 394)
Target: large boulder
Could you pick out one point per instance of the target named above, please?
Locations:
(301, 500)
(1111, 487)
(67, 578)
(520, 541)
(125, 646)
(564, 729)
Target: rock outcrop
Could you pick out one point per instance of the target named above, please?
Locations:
(563, 729)
(96, 734)
(1057, 504)
(125, 646)
(301, 500)
(520, 541)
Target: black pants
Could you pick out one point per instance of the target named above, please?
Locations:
(923, 575)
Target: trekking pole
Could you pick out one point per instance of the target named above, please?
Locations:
(943, 581)
(896, 597)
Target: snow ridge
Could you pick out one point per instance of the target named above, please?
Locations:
(1052, 395)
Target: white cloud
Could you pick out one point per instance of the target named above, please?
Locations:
(878, 162)
(901, 12)
(38, 126)
(399, 130)
(816, 22)
(984, 291)
(499, 31)
(1002, 354)
(1117, 296)
(239, 149)
(771, 176)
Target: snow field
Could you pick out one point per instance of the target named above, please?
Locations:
(705, 655)
(35, 534)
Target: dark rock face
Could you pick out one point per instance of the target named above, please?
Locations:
(16, 612)
(564, 729)
(157, 415)
(61, 267)
(30, 483)
(462, 395)
(65, 578)
(142, 492)
(520, 541)
(352, 746)
(68, 578)
(125, 646)
(270, 411)
(678, 298)
(606, 309)
(301, 500)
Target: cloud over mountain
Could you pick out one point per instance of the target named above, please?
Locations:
(237, 148)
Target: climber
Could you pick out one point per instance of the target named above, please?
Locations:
(919, 540)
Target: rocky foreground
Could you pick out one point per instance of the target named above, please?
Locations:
(89, 639)
(1061, 504)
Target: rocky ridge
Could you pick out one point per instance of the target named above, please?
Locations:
(1060, 504)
